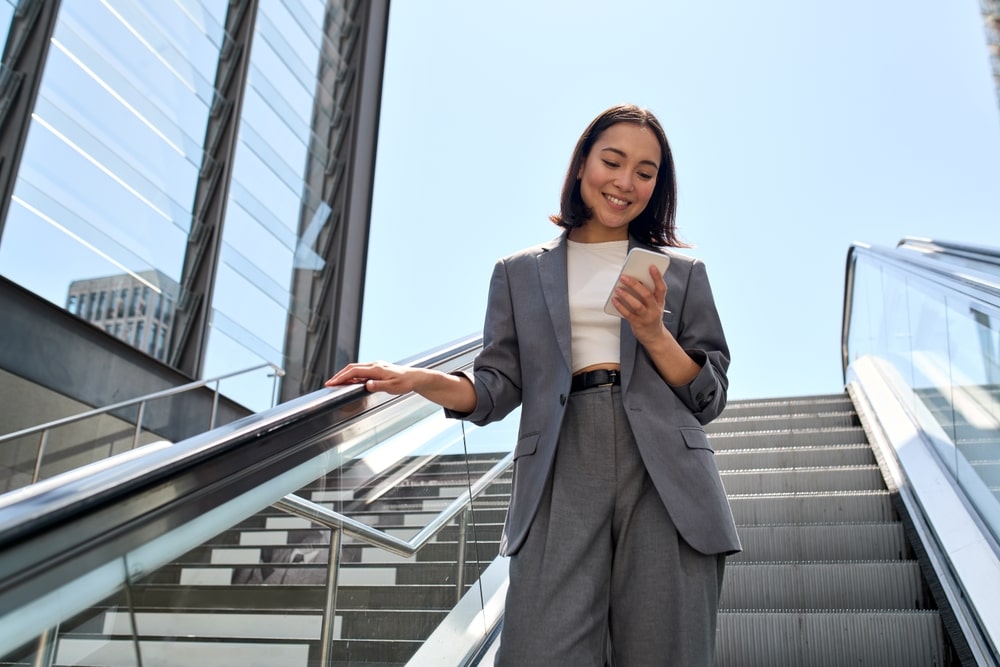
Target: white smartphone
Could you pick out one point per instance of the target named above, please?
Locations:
(637, 266)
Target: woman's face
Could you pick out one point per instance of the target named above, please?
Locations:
(616, 181)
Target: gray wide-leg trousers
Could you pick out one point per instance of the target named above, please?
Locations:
(604, 577)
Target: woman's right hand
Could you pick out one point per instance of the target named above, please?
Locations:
(454, 392)
(376, 376)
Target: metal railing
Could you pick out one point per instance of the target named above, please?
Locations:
(43, 430)
(340, 524)
(158, 506)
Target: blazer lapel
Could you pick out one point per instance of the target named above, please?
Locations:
(555, 289)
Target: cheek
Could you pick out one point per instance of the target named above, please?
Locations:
(647, 192)
(588, 186)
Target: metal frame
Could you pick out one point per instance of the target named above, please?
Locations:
(327, 335)
(21, 72)
(43, 429)
(194, 305)
(340, 524)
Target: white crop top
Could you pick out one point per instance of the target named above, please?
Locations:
(592, 269)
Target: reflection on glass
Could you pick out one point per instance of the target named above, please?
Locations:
(111, 163)
(256, 592)
(945, 343)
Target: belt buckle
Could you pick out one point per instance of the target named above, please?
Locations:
(610, 377)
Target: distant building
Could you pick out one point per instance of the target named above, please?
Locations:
(136, 308)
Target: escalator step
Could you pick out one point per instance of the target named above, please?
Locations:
(824, 586)
(795, 508)
(845, 542)
(801, 639)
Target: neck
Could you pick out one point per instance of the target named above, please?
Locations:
(597, 234)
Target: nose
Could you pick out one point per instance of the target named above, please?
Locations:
(623, 182)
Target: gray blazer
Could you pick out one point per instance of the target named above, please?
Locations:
(525, 361)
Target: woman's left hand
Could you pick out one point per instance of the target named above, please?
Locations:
(643, 307)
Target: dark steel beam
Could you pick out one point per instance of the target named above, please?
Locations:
(190, 337)
(324, 327)
(21, 70)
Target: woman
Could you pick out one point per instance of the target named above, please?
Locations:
(618, 523)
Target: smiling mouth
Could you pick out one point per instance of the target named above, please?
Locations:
(616, 201)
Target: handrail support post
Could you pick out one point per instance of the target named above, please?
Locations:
(330, 607)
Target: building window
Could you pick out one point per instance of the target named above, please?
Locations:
(101, 304)
(138, 333)
(152, 339)
(135, 300)
(161, 343)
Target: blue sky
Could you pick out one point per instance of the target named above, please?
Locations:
(797, 129)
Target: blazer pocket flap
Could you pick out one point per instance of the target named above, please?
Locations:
(695, 438)
(526, 446)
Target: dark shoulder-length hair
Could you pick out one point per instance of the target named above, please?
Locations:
(656, 224)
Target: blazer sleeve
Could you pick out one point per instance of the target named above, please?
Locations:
(700, 333)
(496, 373)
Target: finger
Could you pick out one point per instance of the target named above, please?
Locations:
(351, 374)
(659, 284)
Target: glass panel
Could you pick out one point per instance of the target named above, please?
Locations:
(945, 346)
(931, 377)
(252, 298)
(974, 342)
(111, 163)
(250, 585)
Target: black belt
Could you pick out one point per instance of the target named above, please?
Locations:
(598, 378)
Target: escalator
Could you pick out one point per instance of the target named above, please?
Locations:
(347, 528)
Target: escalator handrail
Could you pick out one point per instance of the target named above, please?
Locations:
(980, 253)
(35, 508)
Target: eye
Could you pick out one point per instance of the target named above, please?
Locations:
(646, 176)
(610, 163)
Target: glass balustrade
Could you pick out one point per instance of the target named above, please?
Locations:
(393, 546)
(940, 333)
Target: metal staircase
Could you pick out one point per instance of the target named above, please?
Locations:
(827, 576)
(259, 589)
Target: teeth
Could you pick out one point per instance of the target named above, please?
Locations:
(616, 201)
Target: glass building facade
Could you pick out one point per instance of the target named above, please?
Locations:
(212, 157)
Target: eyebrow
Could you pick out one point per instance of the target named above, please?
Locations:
(618, 151)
